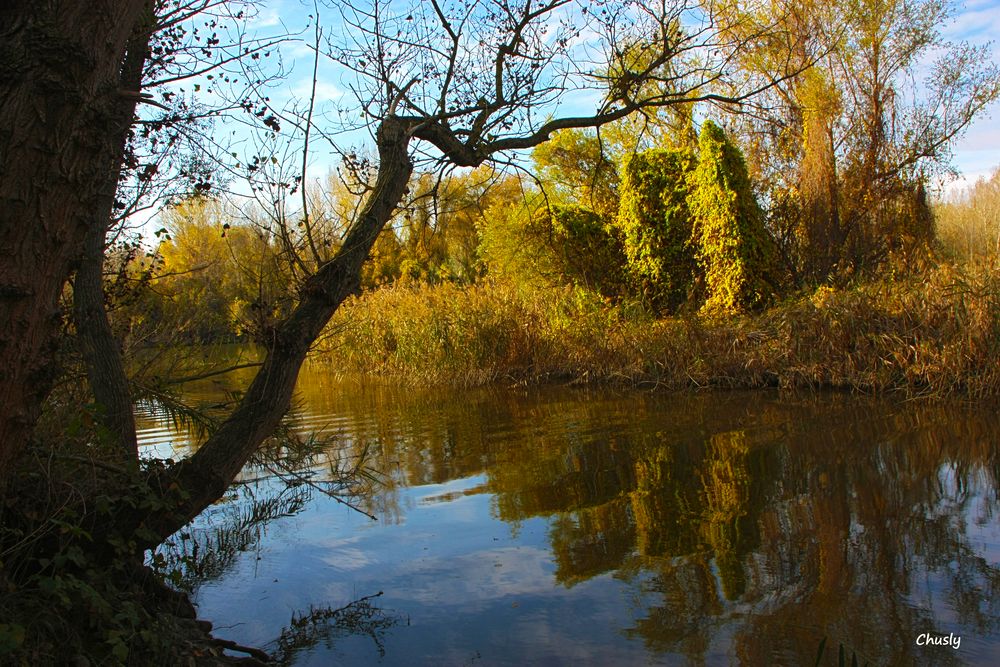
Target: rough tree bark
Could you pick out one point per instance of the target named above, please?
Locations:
(98, 345)
(59, 72)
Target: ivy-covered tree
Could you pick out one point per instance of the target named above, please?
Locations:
(655, 225)
(733, 248)
(819, 234)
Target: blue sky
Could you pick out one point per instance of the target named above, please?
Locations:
(977, 21)
(976, 155)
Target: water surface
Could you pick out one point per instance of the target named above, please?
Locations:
(563, 526)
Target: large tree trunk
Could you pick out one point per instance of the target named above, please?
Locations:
(204, 477)
(98, 345)
(59, 71)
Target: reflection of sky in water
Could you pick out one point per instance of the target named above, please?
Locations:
(968, 509)
(832, 535)
(455, 575)
(156, 435)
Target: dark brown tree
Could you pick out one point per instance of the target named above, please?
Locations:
(61, 132)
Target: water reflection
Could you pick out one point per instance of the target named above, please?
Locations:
(705, 529)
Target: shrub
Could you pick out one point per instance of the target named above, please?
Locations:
(733, 248)
(655, 225)
(543, 246)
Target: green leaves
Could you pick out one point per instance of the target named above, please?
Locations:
(733, 249)
(688, 219)
(655, 224)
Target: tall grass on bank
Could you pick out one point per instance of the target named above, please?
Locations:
(933, 333)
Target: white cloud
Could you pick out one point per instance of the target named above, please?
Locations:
(978, 22)
(325, 91)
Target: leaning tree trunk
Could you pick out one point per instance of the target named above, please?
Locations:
(59, 69)
(203, 478)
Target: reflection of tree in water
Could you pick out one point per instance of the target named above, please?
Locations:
(361, 617)
(210, 547)
(207, 550)
(772, 524)
(729, 516)
(804, 523)
(592, 541)
(753, 528)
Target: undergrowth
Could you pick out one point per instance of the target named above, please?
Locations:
(73, 591)
(936, 331)
(77, 589)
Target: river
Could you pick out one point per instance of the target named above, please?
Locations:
(581, 526)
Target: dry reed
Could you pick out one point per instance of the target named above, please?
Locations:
(936, 332)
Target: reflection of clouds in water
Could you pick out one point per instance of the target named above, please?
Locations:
(455, 504)
(421, 566)
(475, 578)
(511, 618)
(593, 485)
(348, 559)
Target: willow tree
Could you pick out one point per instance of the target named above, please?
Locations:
(845, 147)
(896, 130)
(455, 83)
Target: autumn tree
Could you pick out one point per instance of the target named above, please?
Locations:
(732, 246)
(577, 168)
(896, 134)
(789, 137)
(655, 223)
(968, 224)
(216, 279)
(845, 147)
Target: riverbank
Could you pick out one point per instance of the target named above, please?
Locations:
(71, 594)
(932, 332)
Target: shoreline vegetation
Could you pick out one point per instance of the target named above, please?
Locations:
(669, 267)
(934, 331)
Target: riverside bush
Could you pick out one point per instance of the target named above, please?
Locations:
(491, 331)
(655, 225)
